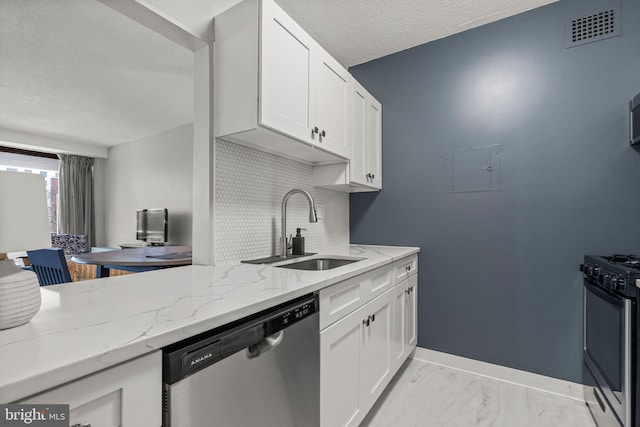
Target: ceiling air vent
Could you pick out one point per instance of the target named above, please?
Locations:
(594, 27)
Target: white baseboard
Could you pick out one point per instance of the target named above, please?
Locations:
(502, 373)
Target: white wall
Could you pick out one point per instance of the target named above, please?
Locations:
(153, 172)
(250, 186)
(194, 14)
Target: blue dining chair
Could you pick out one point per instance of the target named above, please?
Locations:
(50, 266)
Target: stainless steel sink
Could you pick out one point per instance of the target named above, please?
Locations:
(317, 264)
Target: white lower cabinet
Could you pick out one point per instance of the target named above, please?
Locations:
(129, 394)
(340, 353)
(411, 314)
(375, 360)
(365, 338)
(355, 363)
(398, 336)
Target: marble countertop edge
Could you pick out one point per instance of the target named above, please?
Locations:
(190, 300)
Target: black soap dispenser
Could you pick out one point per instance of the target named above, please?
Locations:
(298, 243)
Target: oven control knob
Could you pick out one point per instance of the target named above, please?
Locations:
(617, 282)
(591, 270)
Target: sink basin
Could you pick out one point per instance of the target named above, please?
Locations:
(317, 264)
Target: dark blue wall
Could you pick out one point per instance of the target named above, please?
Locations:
(499, 278)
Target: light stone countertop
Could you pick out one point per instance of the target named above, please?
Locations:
(84, 327)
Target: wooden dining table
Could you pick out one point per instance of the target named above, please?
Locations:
(144, 258)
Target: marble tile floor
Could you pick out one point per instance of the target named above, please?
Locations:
(427, 395)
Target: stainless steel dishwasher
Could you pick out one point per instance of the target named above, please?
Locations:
(263, 370)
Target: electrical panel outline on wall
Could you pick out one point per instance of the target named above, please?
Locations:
(473, 169)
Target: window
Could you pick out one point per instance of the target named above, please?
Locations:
(34, 162)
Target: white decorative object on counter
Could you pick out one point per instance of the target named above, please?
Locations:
(24, 224)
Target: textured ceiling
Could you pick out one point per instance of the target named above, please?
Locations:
(357, 31)
(76, 70)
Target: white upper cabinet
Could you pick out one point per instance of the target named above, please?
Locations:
(276, 89)
(333, 104)
(373, 143)
(366, 159)
(286, 89)
(364, 171)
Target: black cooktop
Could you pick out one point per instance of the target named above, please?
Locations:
(631, 261)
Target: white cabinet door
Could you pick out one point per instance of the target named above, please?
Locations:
(355, 363)
(375, 359)
(374, 142)
(411, 312)
(129, 394)
(333, 105)
(364, 170)
(359, 147)
(398, 337)
(286, 88)
(340, 352)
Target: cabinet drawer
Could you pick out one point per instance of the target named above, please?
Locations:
(129, 394)
(404, 268)
(380, 281)
(342, 298)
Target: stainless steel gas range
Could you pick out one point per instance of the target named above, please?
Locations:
(610, 338)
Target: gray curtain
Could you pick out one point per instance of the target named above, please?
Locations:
(75, 211)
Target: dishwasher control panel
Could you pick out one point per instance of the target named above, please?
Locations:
(292, 316)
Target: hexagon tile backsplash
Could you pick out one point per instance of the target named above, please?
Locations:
(250, 185)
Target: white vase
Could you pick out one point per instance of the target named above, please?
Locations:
(19, 295)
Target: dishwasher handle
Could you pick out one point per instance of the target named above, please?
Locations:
(266, 345)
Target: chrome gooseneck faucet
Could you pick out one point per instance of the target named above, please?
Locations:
(313, 217)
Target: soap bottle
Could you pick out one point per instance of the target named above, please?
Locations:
(298, 243)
